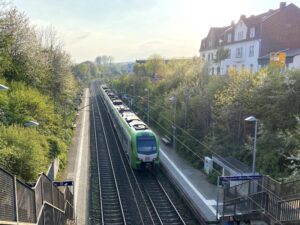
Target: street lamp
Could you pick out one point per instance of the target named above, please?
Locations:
(133, 96)
(174, 100)
(146, 89)
(31, 124)
(253, 119)
(3, 87)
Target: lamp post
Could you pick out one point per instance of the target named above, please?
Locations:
(253, 119)
(146, 89)
(174, 100)
(3, 87)
(133, 96)
(31, 124)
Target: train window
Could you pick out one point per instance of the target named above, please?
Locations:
(117, 102)
(140, 126)
(146, 145)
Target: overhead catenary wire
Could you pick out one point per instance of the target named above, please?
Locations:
(207, 148)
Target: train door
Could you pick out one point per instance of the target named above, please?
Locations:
(128, 146)
(129, 152)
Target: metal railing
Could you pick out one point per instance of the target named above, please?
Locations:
(253, 196)
(43, 204)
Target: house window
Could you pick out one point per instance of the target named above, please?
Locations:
(208, 58)
(212, 71)
(252, 32)
(203, 56)
(239, 52)
(251, 68)
(240, 35)
(227, 69)
(229, 53)
(229, 37)
(251, 51)
(210, 43)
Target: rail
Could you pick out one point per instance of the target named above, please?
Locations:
(111, 204)
(161, 202)
(138, 203)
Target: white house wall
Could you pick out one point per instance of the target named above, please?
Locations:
(210, 61)
(240, 27)
(296, 63)
(245, 60)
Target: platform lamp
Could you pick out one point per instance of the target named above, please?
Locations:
(147, 90)
(3, 87)
(174, 101)
(31, 124)
(253, 119)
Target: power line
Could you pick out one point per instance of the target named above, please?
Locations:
(206, 147)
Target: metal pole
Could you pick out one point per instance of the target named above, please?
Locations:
(217, 211)
(254, 147)
(148, 107)
(174, 127)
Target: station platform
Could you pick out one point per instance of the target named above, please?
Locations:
(202, 194)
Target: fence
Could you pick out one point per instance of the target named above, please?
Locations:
(43, 204)
(284, 190)
(253, 196)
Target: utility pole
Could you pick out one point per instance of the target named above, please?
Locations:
(146, 89)
(174, 101)
(186, 104)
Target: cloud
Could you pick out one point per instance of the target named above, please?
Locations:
(81, 36)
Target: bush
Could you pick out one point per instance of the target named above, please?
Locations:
(213, 177)
(26, 157)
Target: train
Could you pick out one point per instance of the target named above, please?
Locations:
(139, 142)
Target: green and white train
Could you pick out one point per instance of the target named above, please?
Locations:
(139, 142)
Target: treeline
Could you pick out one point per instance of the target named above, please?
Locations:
(42, 88)
(213, 108)
(103, 66)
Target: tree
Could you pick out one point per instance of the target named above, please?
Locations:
(221, 55)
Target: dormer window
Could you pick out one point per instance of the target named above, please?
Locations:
(229, 37)
(252, 32)
(240, 35)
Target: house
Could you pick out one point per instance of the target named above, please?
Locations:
(252, 38)
(292, 58)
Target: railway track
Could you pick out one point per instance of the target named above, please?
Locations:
(159, 199)
(112, 211)
(136, 197)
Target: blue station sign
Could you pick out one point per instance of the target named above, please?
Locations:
(63, 183)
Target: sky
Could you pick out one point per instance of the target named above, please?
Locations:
(136, 29)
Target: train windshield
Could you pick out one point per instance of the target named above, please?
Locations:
(146, 145)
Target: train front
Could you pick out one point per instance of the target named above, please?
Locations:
(147, 149)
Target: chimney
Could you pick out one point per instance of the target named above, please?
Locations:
(232, 23)
(243, 17)
(282, 5)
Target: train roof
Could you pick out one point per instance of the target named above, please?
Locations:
(125, 112)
